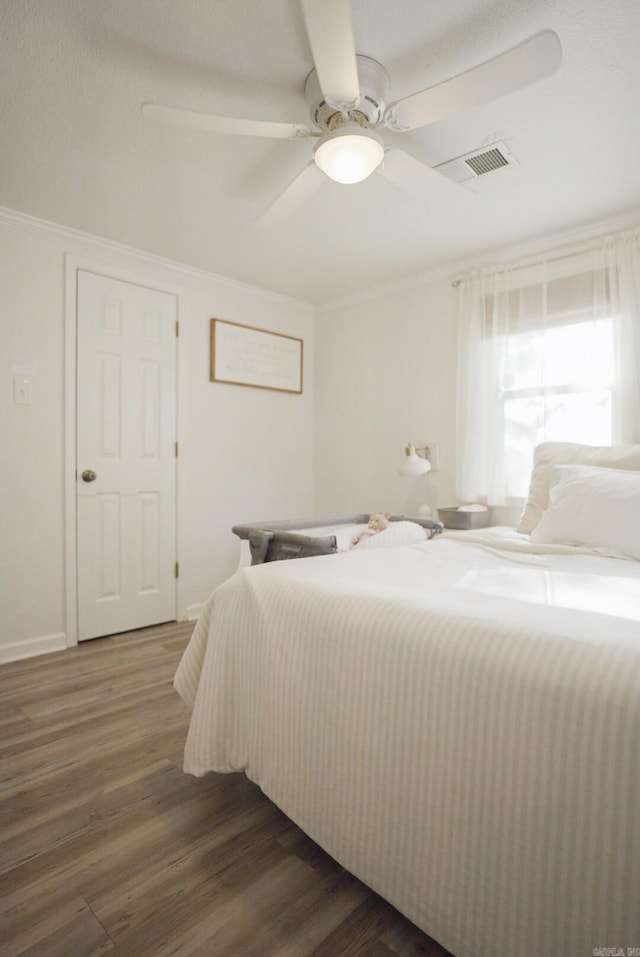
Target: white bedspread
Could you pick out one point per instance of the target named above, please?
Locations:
(456, 722)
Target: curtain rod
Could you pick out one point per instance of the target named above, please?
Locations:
(524, 265)
(534, 261)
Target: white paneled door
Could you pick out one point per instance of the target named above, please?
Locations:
(126, 455)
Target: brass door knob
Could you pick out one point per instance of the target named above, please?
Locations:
(89, 475)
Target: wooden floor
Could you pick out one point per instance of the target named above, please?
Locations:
(106, 847)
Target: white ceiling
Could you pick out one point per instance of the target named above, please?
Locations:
(75, 149)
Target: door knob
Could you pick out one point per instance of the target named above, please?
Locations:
(89, 475)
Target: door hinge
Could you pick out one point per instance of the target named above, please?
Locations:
(176, 450)
(177, 328)
(177, 570)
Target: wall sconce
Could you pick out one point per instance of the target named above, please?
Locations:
(416, 461)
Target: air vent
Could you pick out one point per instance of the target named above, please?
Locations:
(463, 169)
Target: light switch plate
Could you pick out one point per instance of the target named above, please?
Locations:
(21, 391)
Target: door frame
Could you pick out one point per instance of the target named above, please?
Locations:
(72, 264)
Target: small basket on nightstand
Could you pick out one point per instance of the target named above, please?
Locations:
(462, 520)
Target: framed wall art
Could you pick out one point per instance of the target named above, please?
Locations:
(247, 355)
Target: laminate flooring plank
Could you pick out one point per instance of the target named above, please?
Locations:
(30, 802)
(90, 656)
(218, 894)
(178, 643)
(66, 778)
(73, 694)
(298, 843)
(110, 716)
(111, 736)
(128, 880)
(132, 897)
(73, 663)
(106, 847)
(61, 929)
(406, 940)
(377, 949)
(156, 803)
(87, 820)
(297, 930)
(360, 931)
(154, 633)
(278, 907)
(13, 723)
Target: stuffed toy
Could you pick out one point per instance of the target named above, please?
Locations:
(377, 523)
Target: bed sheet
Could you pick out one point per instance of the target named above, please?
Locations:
(457, 722)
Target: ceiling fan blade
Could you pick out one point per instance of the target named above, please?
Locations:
(330, 33)
(295, 195)
(524, 64)
(416, 178)
(209, 122)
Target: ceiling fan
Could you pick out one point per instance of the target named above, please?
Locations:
(348, 97)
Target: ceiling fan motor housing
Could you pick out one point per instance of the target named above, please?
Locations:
(368, 112)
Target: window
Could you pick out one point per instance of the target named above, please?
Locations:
(556, 386)
(548, 351)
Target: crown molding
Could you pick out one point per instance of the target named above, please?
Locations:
(97, 244)
(385, 290)
(423, 277)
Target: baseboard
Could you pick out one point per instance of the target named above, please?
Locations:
(194, 611)
(30, 647)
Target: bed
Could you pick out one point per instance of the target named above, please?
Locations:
(456, 721)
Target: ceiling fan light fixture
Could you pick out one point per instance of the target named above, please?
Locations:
(349, 154)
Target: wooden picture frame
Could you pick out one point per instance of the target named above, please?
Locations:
(250, 356)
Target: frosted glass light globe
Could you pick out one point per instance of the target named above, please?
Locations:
(349, 154)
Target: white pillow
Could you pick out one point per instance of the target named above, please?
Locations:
(397, 533)
(549, 454)
(597, 507)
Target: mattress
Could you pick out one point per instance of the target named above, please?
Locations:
(457, 722)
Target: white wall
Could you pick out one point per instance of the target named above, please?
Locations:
(245, 454)
(385, 373)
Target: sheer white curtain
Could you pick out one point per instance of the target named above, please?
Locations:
(548, 351)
